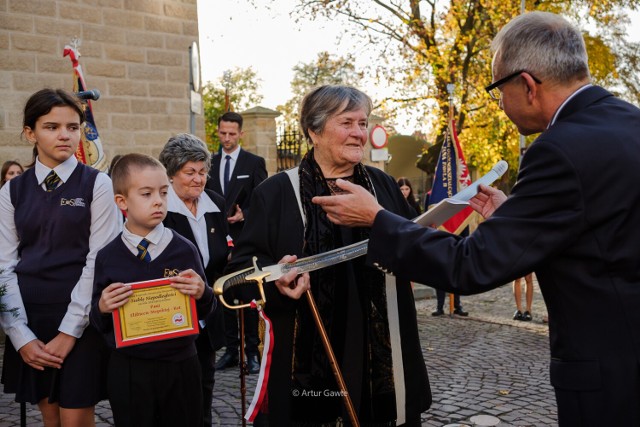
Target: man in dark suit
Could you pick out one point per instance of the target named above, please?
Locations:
(235, 173)
(573, 217)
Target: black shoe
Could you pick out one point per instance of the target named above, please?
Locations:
(526, 316)
(253, 365)
(518, 315)
(460, 312)
(227, 361)
(438, 312)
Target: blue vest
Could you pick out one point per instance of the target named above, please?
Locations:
(53, 229)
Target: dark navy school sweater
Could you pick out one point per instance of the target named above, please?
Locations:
(54, 229)
(116, 263)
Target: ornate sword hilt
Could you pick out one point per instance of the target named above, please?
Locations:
(248, 275)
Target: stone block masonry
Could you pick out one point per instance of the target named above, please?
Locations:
(136, 52)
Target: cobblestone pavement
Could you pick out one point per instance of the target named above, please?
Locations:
(485, 364)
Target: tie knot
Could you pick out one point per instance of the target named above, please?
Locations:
(51, 181)
(228, 157)
(143, 252)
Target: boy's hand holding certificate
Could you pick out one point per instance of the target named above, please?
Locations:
(157, 310)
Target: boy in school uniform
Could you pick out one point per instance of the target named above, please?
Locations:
(156, 383)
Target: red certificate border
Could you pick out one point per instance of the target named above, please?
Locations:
(117, 326)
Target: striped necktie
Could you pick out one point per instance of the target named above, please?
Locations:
(51, 181)
(143, 250)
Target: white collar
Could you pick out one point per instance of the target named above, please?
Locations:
(176, 205)
(154, 235)
(234, 154)
(569, 98)
(63, 170)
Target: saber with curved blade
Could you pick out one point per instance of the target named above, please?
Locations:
(256, 275)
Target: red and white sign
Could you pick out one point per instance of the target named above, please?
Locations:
(378, 137)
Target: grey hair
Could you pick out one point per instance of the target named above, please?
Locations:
(544, 44)
(183, 148)
(326, 101)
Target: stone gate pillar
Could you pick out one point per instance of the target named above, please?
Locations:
(260, 135)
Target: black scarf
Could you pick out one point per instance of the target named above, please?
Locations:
(351, 299)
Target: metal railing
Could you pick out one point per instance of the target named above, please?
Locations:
(289, 146)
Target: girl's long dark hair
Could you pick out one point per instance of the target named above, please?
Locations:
(411, 198)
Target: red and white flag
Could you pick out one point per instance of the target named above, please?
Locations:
(451, 177)
(90, 150)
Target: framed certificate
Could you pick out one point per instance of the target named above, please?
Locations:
(155, 311)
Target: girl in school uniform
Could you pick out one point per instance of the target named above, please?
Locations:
(53, 220)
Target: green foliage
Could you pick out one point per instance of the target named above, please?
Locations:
(326, 69)
(242, 86)
(425, 45)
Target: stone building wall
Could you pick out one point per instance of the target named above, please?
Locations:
(136, 52)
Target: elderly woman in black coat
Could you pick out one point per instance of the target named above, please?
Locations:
(370, 318)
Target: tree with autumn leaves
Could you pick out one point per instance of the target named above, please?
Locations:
(325, 69)
(237, 90)
(425, 45)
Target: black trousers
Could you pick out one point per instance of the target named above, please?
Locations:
(207, 360)
(440, 295)
(152, 393)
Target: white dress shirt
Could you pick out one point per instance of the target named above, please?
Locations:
(569, 98)
(105, 226)
(197, 222)
(159, 238)
(232, 164)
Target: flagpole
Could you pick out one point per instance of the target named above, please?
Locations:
(192, 115)
(450, 89)
(226, 81)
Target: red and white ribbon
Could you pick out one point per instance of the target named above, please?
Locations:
(260, 394)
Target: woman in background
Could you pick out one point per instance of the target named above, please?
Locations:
(407, 192)
(199, 216)
(10, 169)
(517, 295)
